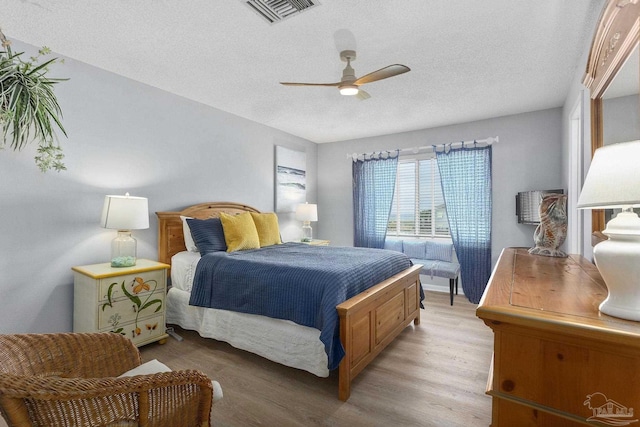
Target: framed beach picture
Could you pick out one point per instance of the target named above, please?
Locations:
(291, 179)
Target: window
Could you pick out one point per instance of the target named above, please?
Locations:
(418, 206)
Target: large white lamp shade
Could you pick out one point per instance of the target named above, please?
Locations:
(613, 181)
(124, 213)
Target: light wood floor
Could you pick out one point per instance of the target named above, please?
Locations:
(434, 374)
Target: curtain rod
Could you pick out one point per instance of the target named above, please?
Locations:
(431, 148)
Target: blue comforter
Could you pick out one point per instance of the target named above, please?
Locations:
(294, 281)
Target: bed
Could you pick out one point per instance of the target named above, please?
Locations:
(368, 321)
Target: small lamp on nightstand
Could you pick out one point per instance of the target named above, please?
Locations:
(124, 213)
(613, 181)
(306, 213)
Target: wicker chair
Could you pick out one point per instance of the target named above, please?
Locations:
(69, 379)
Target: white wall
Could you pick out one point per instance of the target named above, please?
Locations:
(123, 136)
(528, 157)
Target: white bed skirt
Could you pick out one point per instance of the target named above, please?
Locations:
(281, 341)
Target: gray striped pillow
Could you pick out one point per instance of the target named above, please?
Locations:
(439, 251)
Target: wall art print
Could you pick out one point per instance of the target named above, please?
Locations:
(291, 179)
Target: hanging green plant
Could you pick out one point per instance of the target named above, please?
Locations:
(29, 109)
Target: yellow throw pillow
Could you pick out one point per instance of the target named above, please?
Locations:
(268, 229)
(239, 232)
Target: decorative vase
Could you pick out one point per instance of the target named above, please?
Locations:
(552, 230)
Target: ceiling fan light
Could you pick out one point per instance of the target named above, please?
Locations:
(349, 90)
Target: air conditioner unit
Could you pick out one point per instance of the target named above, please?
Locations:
(528, 205)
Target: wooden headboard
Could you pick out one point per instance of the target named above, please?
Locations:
(170, 235)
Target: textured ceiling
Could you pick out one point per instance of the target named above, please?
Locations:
(469, 59)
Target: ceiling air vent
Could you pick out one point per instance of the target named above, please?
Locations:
(276, 10)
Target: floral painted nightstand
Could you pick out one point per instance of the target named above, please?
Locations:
(128, 300)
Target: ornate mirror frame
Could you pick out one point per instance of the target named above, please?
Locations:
(617, 35)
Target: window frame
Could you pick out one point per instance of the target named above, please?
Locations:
(434, 180)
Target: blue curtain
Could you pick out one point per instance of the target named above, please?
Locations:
(374, 181)
(465, 174)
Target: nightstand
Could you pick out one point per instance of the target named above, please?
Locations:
(317, 242)
(128, 300)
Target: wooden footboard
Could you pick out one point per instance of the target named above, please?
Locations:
(371, 320)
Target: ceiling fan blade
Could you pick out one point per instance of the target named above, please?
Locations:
(383, 73)
(310, 84)
(362, 95)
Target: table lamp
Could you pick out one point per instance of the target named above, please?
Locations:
(124, 213)
(306, 213)
(613, 181)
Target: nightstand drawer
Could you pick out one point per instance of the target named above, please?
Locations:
(125, 310)
(147, 330)
(139, 284)
(151, 329)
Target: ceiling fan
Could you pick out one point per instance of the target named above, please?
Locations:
(350, 84)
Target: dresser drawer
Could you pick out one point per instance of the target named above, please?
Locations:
(560, 376)
(125, 310)
(518, 366)
(135, 284)
(148, 329)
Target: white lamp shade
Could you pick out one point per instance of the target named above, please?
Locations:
(613, 179)
(307, 212)
(125, 213)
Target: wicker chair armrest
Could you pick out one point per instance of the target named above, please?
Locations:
(58, 388)
(168, 398)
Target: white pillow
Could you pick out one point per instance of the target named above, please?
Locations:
(188, 239)
(217, 391)
(150, 367)
(154, 367)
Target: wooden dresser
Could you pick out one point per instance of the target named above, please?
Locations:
(557, 360)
